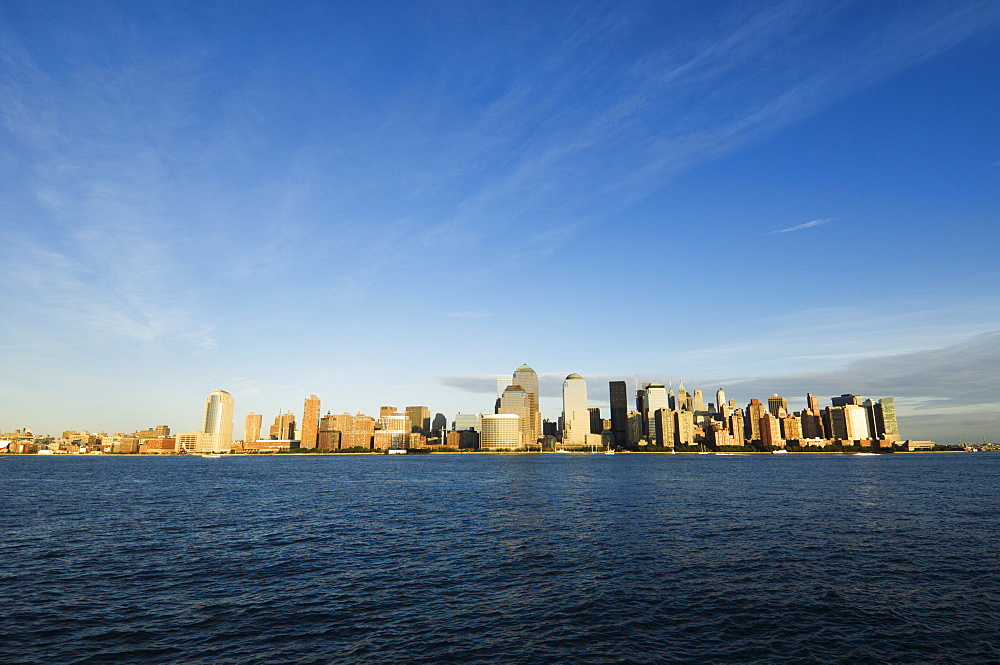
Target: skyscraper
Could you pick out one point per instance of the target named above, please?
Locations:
(514, 401)
(576, 417)
(310, 422)
(526, 377)
(251, 428)
(777, 406)
(420, 419)
(283, 428)
(619, 412)
(218, 423)
(654, 400)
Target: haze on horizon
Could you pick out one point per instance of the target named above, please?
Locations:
(393, 203)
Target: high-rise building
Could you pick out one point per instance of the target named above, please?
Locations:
(526, 377)
(468, 421)
(845, 399)
(654, 399)
(777, 406)
(755, 411)
(283, 428)
(576, 417)
(251, 428)
(310, 423)
(619, 412)
(420, 419)
(386, 411)
(439, 425)
(218, 428)
(720, 402)
(514, 401)
(886, 426)
(501, 431)
(699, 401)
(770, 431)
(164, 430)
(664, 419)
(812, 403)
(857, 422)
(596, 424)
(684, 428)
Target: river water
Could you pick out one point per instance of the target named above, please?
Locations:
(501, 558)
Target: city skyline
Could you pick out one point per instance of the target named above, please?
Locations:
(390, 203)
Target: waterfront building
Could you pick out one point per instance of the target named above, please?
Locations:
(683, 428)
(514, 401)
(886, 426)
(664, 427)
(218, 427)
(283, 428)
(468, 421)
(251, 428)
(526, 377)
(188, 442)
(857, 422)
(501, 431)
(420, 419)
(770, 431)
(619, 412)
(596, 423)
(310, 423)
(634, 425)
(755, 411)
(576, 417)
(655, 398)
(439, 425)
(791, 427)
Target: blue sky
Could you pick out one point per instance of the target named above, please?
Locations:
(392, 203)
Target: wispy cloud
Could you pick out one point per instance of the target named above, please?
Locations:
(807, 225)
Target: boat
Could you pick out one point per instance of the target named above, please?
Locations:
(609, 451)
(866, 454)
(779, 452)
(211, 455)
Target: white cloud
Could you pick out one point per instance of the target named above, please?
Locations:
(807, 225)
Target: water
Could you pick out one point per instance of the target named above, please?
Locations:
(528, 559)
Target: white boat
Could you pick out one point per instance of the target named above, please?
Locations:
(609, 451)
(211, 455)
(779, 452)
(866, 454)
(561, 450)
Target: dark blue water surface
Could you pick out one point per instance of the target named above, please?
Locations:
(481, 558)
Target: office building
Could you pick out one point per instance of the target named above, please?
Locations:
(310, 423)
(526, 377)
(514, 401)
(619, 412)
(420, 419)
(777, 406)
(596, 423)
(468, 421)
(576, 417)
(251, 428)
(283, 428)
(501, 431)
(218, 429)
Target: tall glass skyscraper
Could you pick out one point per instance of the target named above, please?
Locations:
(218, 431)
(576, 417)
(526, 377)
